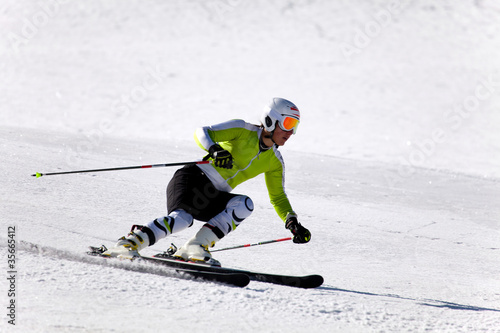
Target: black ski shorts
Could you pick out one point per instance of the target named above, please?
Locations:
(191, 190)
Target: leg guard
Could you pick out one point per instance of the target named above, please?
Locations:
(197, 248)
(176, 221)
(237, 209)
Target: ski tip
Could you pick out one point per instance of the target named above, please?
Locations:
(37, 175)
(312, 281)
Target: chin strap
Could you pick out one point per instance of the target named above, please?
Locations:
(261, 141)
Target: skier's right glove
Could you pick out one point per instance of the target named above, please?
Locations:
(300, 234)
(222, 158)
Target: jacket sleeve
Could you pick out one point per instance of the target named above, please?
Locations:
(275, 181)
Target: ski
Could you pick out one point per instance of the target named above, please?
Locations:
(308, 281)
(234, 279)
(233, 276)
(230, 278)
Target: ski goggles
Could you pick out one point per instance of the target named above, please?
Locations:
(288, 124)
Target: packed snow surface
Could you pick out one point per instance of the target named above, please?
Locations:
(395, 168)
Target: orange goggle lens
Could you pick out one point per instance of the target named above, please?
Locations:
(289, 123)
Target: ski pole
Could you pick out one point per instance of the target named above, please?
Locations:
(38, 174)
(248, 245)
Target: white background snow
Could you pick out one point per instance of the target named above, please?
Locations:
(395, 168)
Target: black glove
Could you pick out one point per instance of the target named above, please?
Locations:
(222, 158)
(300, 234)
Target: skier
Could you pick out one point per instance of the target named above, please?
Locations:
(238, 151)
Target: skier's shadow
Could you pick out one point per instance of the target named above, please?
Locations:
(423, 301)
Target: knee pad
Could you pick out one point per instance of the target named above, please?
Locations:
(240, 207)
(237, 209)
(183, 219)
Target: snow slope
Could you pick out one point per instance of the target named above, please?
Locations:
(420, 254)
(395, 168)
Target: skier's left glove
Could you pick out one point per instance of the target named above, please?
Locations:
(300, 234)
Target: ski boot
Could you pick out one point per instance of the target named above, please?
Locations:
(128, 247)
(196, 249)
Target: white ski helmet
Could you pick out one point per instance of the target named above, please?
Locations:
(282, 112)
